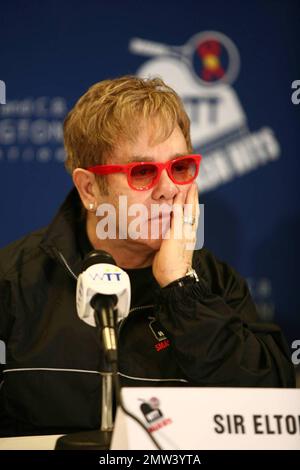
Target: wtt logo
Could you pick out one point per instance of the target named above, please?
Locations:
(109, 276)
(2, 92)
(2, 352)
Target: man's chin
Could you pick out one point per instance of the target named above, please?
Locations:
(152, 244)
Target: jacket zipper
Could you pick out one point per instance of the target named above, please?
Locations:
(134, 309)
(65, 263)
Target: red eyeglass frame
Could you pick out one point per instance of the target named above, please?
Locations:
(127, 168)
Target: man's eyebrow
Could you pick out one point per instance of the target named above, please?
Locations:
(141, 158)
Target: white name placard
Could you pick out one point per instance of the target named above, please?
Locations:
(209, 418)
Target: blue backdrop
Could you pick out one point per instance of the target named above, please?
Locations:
(232, 62)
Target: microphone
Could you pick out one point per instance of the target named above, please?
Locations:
(103, 297)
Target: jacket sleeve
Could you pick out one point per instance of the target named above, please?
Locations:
(216, 336)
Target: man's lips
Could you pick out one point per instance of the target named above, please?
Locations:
(160, 217)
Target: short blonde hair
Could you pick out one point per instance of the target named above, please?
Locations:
(114, 110)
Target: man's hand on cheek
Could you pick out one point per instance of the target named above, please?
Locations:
(174, 258)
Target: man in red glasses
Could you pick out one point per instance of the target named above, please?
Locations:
(192, 320)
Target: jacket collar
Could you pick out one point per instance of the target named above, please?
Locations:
(61, 239)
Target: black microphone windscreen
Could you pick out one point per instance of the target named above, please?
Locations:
(97, 257)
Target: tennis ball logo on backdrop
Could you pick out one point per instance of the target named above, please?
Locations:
(203, 71)
(214, 58)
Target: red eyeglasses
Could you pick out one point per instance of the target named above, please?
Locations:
(144, 175)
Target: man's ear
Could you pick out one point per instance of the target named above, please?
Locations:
(87, 188)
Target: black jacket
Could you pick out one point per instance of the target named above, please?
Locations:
(205, 334)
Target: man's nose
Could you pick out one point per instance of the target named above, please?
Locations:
(165, 188)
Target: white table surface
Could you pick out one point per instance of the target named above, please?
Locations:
(29, 442)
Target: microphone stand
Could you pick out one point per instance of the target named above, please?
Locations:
(105, 316)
